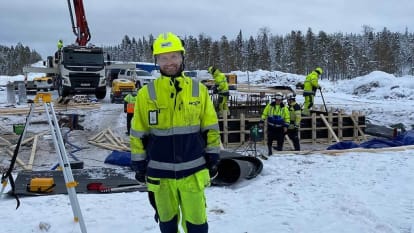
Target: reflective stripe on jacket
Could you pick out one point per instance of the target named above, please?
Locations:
(174, 124)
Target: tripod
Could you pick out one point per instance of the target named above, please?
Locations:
(62, 157)
(250, 149)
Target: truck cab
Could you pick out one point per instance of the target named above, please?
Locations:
(81, 71)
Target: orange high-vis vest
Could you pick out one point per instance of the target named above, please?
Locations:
(130, 107)
(130, 100)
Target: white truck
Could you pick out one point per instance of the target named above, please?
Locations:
(140, 77)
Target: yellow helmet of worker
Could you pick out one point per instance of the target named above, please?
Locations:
(167, 42)
(319, 70)
(211, 69)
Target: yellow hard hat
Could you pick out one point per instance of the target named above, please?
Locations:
(211, 69)
(167, 42)
(319, 70)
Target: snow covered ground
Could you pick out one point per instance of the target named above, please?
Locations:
(353, 192)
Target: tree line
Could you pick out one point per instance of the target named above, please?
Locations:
(14, 58)
(342, 56)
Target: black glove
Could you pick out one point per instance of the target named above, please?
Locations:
(140, 168)
(212, 160)
(140, 177)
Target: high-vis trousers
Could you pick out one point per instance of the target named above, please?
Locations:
(185, 195)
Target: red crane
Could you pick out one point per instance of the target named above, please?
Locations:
(81, 30)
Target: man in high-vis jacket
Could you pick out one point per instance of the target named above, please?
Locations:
(309, 88)
(175, 141)
(129, 106)
(221, 88)
(277, 116)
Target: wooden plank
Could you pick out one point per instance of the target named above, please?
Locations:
(115, 138)
(6, 141)
(110, 139)
(32, 155)
(93, 138)
(103, 132)
(29, 139)
(18, 160)
(359, 128)
(339, 152)
(107, 146)
(329, 127)
(289, 142)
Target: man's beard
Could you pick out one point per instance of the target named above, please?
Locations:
(175, 74)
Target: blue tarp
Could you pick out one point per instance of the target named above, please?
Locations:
(121, 158)
(404, 139)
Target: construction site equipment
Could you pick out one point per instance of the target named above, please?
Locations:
(120, 88)
(62, 157)
(18, 128)
(78, 68)
(323, 100)
(44, 83)
(231, 80)
(43, 97)
(234, 167)
(100, 187)
(41, 185)
(256, 134)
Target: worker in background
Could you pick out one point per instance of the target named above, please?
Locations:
(129, 106)
(60, 44)
(277, 116)
(309, 88)
(295, 117)
(175, 141)
(221, 88)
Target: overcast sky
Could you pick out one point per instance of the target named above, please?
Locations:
(39, 24)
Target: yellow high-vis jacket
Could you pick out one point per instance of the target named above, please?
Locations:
(311, 83)
(221, 82)
(174, 133)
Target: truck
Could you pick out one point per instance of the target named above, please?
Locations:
(81, 70)
(78, 68)
(81, 67)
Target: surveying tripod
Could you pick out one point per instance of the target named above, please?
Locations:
(250, 149)
(61, 153)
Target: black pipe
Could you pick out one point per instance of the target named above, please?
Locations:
(234, 167)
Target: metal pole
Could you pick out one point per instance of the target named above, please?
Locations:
(65, 165)
(323, 100)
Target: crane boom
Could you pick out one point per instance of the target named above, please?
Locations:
(81, 30)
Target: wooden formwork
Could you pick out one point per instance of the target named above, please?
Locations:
(320, 127)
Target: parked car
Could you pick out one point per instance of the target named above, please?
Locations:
(140, 77)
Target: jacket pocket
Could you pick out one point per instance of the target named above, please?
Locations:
(153, 184)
